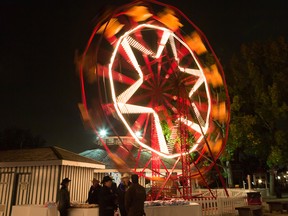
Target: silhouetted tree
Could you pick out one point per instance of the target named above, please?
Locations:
(16, 138)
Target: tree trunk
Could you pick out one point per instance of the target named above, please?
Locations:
(272, 182)
(229, 174)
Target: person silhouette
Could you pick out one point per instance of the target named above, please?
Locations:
(135, 197)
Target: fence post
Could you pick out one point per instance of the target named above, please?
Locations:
(219, 206)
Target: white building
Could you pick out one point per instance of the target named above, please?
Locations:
(33, 176)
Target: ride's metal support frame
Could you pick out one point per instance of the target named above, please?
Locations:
(167, 178)
(186, 169)
(184, 144)
(155, 159)
(217, 168)
(211, 154)
(205, 182)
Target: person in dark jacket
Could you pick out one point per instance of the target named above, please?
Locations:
(135, 197)
(63, 198)
(93, 194)
(107, 198)
(121, 190)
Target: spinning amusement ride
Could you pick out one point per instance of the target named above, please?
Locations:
(152, 76)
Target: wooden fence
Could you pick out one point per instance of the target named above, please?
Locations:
(221, 205)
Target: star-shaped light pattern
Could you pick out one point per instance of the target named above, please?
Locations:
(168, 69)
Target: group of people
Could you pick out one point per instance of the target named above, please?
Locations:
(128, 196)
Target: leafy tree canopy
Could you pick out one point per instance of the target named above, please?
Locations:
(257, 79)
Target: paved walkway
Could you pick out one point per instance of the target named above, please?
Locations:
(273, 198)
(266, 206)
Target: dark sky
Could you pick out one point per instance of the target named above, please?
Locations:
(40, 88)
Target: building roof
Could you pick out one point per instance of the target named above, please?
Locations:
(101, 155)
(46, 156)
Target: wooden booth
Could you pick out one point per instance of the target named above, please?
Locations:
(33, 176)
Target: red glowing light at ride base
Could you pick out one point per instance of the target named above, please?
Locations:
(147, 68)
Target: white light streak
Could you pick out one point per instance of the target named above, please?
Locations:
(120, 99)
(163, 42)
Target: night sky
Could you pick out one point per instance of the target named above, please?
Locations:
(40, 88)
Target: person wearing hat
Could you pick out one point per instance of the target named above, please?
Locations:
(135, 197)
(93, 193)
(63, 197)
(121, 190)
(107, 198)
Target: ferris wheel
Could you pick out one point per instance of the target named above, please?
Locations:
(157, 80)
